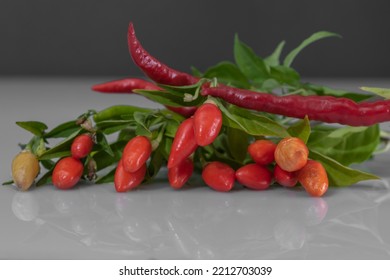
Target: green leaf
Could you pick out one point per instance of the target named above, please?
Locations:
(36, 128)
(53, 155)
(180, 90)
(171, 128)
(63, 130)
(165, 147)
(196, 72)
(126, 134)
(104, 159)
(384, 92)
(48, 164)
(324, 90)
(61, 148)
(45, 178)
(300, 129)
(313, 38)
(229, 74)
(250, 122)
(267, 86)
(112, 126)
(103, 143)
(346, 145)
(141, 128)
(238, 142)
(338, 174)
(285, 75)
(117, 112)
(253, 67)
(107, 178)
(6, 183)
(169, 98)
(274, 58)
(155, 164)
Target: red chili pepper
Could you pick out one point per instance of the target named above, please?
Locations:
(125, 181)
(81, 146)
(285, 178)
(313, 178)
(180, 174)
(321, 108)
(291, 154)
(184, 111)
(262, 151)
(254, 176)
(152, 67)
(67, 172)
(136, 152)
(184, 143)
(128, 85)
(219, 176)
(207, 124)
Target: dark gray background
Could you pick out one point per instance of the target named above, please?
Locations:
(73, 37)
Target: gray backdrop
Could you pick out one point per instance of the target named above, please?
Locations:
(74, 37)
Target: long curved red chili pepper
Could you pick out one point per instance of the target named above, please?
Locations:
(152, 67)
(128, 85)
(321, 108)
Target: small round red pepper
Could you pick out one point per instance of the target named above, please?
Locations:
(262, 151)
(313, 178)
(136, 152)
(254, 176)
(67, 172)
(219, 176)
(291, 154)
(81, 146)
(285, 178)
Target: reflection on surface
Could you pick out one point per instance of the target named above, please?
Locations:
(157, 222)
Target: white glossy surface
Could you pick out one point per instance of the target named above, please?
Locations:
(157, 222)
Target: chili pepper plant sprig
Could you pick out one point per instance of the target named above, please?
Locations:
(240, 128)
(235, 129)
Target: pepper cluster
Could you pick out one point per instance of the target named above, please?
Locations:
(212, 125)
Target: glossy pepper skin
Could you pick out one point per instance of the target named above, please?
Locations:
(207, 124)
(291, 154)
(67, 173)
(136, 152)
(219, 176)
(153, 68)
(285, 178)
(262, 151)
(179, 175)
(125, 181)
(313, 178)
(254, 176)
(81, 146)
(128, 85)
(184, 143)
(321, 108)
(25, 168)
